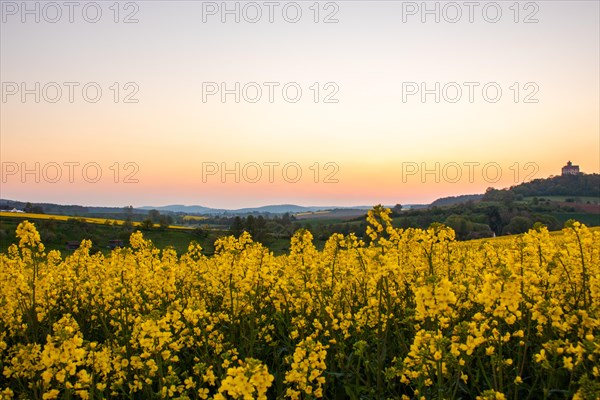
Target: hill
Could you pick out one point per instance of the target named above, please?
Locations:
(581, 185)
(451, 200)
(56, 230)
(141, 212)
(268, 209)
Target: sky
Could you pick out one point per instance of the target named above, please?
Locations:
(242, 104)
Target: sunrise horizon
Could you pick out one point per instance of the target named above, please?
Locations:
(342, 201)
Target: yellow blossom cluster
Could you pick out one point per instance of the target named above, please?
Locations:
(307, 367)
(250, 380)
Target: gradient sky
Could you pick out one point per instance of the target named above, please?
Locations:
(376, 144)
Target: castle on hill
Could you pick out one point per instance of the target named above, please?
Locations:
(570, 169)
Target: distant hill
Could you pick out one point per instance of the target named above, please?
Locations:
(582, 185)
(451, 200)
(83, 211)
(270, 209)
(61, 209)
(279, 209)
(338, 213)
(180, 208)
(563, 185)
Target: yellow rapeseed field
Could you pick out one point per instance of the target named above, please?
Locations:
(413, 314)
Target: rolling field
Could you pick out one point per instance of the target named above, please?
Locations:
(563, 199)
(414, 314)
(586, 218)
(32, 216)
(55, 230)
